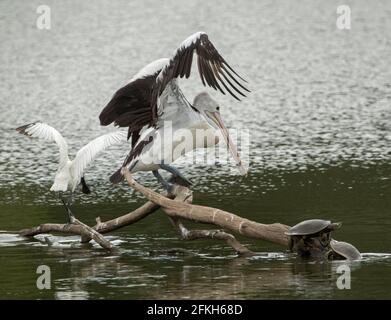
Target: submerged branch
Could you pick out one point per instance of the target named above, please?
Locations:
(211, 234)
(75, 227)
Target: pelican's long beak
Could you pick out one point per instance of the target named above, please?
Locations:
(216, 118)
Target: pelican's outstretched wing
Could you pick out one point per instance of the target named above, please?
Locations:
(131, 105)
(88, 153)
(46, 132)
(213, 69)
(135, 105)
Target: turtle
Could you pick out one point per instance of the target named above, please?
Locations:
(312, 226)
(311, 237)
(343, 250)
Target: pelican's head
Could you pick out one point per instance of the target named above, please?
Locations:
(210, 110)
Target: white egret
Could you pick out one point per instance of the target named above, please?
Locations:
(70, 173)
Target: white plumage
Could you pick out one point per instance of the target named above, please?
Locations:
(70, 172)
(150, 69)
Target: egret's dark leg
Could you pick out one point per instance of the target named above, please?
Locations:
(168, 186)
(67, 207)
(70, 199)
(176, 173)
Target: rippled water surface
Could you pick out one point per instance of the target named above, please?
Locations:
(319, 115)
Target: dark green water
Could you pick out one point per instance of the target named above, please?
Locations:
(320, 146)
(146, 268)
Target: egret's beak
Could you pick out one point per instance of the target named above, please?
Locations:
(216, 118)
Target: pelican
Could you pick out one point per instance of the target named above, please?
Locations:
(70, 173)
(153, 98)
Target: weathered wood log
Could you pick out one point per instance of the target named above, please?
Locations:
(181, 209)
(74, 227)
(211, 234)
(185, 195)
(126, 219)
(177, 194)
(95, 233)
(177, 206)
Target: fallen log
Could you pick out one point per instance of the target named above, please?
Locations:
(178, 206)
(185, 210)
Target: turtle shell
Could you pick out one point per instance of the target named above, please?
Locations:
(346, 250)
(312, 226)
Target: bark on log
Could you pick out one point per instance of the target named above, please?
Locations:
(187, 197)
(180, 209)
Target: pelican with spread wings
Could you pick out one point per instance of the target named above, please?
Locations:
(153, 100)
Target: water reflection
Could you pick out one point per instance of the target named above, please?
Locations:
(143, 270)
(238, 278)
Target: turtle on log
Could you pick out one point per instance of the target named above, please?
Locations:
(312, 238)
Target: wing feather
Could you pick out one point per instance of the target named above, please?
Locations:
(131, 105)
(89, 152)
(212, 68)
(136, 105)
(44, 131)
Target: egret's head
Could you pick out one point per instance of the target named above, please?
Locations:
(210, 110)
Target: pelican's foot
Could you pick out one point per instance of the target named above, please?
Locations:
(178, 178)
(170, 188)
(167, 185)
(180, 181)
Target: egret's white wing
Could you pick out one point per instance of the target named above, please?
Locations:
(46, 132)
(88, 153)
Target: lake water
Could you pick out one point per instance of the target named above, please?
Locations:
(320, 120)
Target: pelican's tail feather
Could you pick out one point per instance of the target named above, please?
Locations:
(117, 177)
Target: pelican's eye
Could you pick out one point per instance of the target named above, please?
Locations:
(217, 108)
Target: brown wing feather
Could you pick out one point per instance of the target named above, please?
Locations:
(131, 107)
